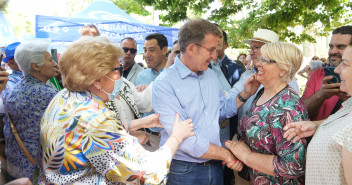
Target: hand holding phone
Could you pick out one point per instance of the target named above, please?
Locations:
(329, 71)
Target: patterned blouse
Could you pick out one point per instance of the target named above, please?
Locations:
(262, 131)
(26, 103)
(82, 141)
(14, 78)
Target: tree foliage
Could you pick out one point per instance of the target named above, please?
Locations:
(131, 6)
(294, 20)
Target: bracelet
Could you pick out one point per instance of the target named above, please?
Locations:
(178, 141)
(128, 126)
(241, 98)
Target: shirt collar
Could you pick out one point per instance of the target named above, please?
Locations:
(182, 69)
(221, 60)
(18, 73)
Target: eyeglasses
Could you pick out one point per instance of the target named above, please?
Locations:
(265, 61)
(119, 69)
(315, 58)
(255, 48)
(132, 50)
(211, 50)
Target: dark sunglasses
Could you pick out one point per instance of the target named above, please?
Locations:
(119, 69)
(132, 50)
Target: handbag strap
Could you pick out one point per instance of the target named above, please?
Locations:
(20, 143)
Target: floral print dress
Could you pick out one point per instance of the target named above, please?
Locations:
(82, 141)
(262, 132)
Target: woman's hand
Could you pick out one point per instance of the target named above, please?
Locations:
(3, 79)
(141, 136)
(239, 149)
(141, 88)
(151, 121)
(182, 130)
(298, 130)
(251, 86)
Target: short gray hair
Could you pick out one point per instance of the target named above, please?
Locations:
(313, 65)
(31, 52)
(194, 32)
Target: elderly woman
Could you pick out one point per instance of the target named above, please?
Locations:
(26, 103)
(329, 154)
(272, 159)
(82, 140)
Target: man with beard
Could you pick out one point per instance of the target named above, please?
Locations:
(130, 68)
(323, 99)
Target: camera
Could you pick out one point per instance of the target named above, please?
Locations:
(329, 71)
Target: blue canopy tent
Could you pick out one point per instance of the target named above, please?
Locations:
(111, 21)
(7, 34)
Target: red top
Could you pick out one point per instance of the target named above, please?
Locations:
(313, 85)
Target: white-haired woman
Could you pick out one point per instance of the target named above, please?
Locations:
(26, 103)
(271, 158)
(82, 140)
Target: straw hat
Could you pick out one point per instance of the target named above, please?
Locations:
(263, 35)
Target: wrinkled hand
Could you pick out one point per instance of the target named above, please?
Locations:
(3, 79)
(151, 121)
(298, 130)
(141, 88)
(327, 90)
(182, 129)
(142, 136)
(251, 86)
(233, 163)
(239, 149)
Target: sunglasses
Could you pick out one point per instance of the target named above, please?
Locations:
(119, 69)
(132, 50)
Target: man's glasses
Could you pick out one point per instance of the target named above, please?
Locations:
(265, 61)
(119, 69)
(211, 50)
(255, 48)
(132, 50)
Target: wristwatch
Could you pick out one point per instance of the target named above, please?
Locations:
(241, 98)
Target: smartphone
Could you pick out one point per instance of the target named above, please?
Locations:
(329, 71)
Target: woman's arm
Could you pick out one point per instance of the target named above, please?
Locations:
(347, 165)
(260, 162)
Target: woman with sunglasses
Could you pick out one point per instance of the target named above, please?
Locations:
(272, 159)
(81, 139)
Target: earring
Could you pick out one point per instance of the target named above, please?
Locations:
(281, 75)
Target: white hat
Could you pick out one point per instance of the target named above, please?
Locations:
(263, 35)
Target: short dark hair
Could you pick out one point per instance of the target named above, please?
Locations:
(343, 30)
(160, 38)
(176, 41)
(225, 36)
(194, 32)
(90, 25)
(128, 38)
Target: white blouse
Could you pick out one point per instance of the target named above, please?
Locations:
(324, 154)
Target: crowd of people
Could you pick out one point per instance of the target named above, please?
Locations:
(192, 116)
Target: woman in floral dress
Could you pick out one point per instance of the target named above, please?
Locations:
(271, 158)
(81, 139)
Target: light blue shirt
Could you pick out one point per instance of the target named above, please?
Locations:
(239, 87)
(200, 98)
(146, 77)
(224, 83)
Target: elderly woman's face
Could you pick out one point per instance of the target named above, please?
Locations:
(345, 71)
(108, 81)
(49, 69)
(268, 71)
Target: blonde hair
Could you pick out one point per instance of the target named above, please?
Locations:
(287, 56)
(86, 60)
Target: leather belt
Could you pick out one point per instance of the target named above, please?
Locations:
(224, 123)
(206, 163)
(151, 132)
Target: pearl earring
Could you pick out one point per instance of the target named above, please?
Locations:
(281, 75)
